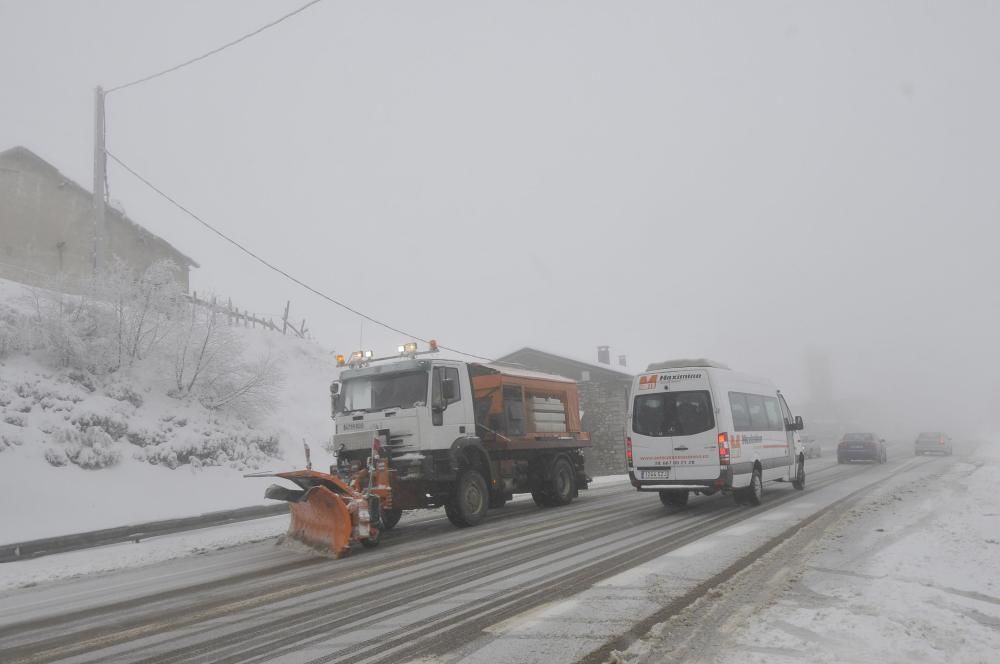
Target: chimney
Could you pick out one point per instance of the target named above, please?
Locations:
(621, 361)
(604, 355)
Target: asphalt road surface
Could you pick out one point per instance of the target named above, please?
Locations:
(428, 590)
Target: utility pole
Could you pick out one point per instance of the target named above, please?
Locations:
(100, 182)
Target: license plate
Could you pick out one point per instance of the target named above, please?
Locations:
(353, 426)
(656, 474)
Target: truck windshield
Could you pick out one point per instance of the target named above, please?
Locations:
(373, 393)
(673, 414)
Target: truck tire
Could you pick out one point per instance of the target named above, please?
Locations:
(390, 518)
(372, 542)
(541, 498)
(674, 498)
(562, 486)
(471, 500)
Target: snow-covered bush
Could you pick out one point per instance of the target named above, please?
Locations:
(91, 449)
(123, 392)
(112, 424)
(9, 438)
(143, 436)
(14, 419)
(242, 451)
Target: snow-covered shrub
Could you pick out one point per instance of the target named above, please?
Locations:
(91, 449)
(145, 437)
(21, 406)
(55, 404)
(83, 379)
(9, 438)
(56, 457)
(123, 392)
(242, 451)
(113, 424)
(15, 419)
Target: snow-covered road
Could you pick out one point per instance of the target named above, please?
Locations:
(553, 585)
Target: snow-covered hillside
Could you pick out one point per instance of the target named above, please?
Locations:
(81, 450)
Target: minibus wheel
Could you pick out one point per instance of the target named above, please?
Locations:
(674, 498)
(755, 491)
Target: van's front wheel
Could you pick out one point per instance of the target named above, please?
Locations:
(800, 475)
(674, 498)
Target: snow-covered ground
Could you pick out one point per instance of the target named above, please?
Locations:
(909, 574)
(913, 577)
(46, 411)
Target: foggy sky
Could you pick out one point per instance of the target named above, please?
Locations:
(743, 181)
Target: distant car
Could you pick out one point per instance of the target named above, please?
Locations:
(861, 447)
(933, 442)
(811, 447)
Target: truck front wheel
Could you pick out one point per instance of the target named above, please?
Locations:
(390, 518)
(471, 499)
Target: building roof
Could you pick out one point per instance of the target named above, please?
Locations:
(589, 366)
(112, 213)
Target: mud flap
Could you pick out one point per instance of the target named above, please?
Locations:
(320, 519)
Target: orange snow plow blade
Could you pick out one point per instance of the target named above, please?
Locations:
(327, 514)
(321, 520)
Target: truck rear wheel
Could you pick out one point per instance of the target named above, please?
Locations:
(471, 500)
(562, 486)
(541, 498)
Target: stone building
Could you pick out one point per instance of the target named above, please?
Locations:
(604, 394)
(47, 228)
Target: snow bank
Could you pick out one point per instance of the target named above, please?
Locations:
(915, 578)
(80, 451)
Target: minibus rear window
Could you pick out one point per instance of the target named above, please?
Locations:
(673, 414)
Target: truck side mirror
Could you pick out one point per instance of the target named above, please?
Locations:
(448, 390)
(799, 426)
(336, 400)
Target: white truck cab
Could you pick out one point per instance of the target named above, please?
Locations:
(695, 426)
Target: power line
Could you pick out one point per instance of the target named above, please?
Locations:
(278, 269)
(219, 49)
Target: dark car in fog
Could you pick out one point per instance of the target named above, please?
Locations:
(861, 447)
(933, 442)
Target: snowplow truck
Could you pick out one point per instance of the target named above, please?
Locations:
(413, 433)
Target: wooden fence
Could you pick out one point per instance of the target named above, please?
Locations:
(236, 317)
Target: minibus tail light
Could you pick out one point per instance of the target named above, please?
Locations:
(724, 449)
(628, 451)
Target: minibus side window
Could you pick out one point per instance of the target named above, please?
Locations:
(741, 415)
(774, 419)
(758, 416)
